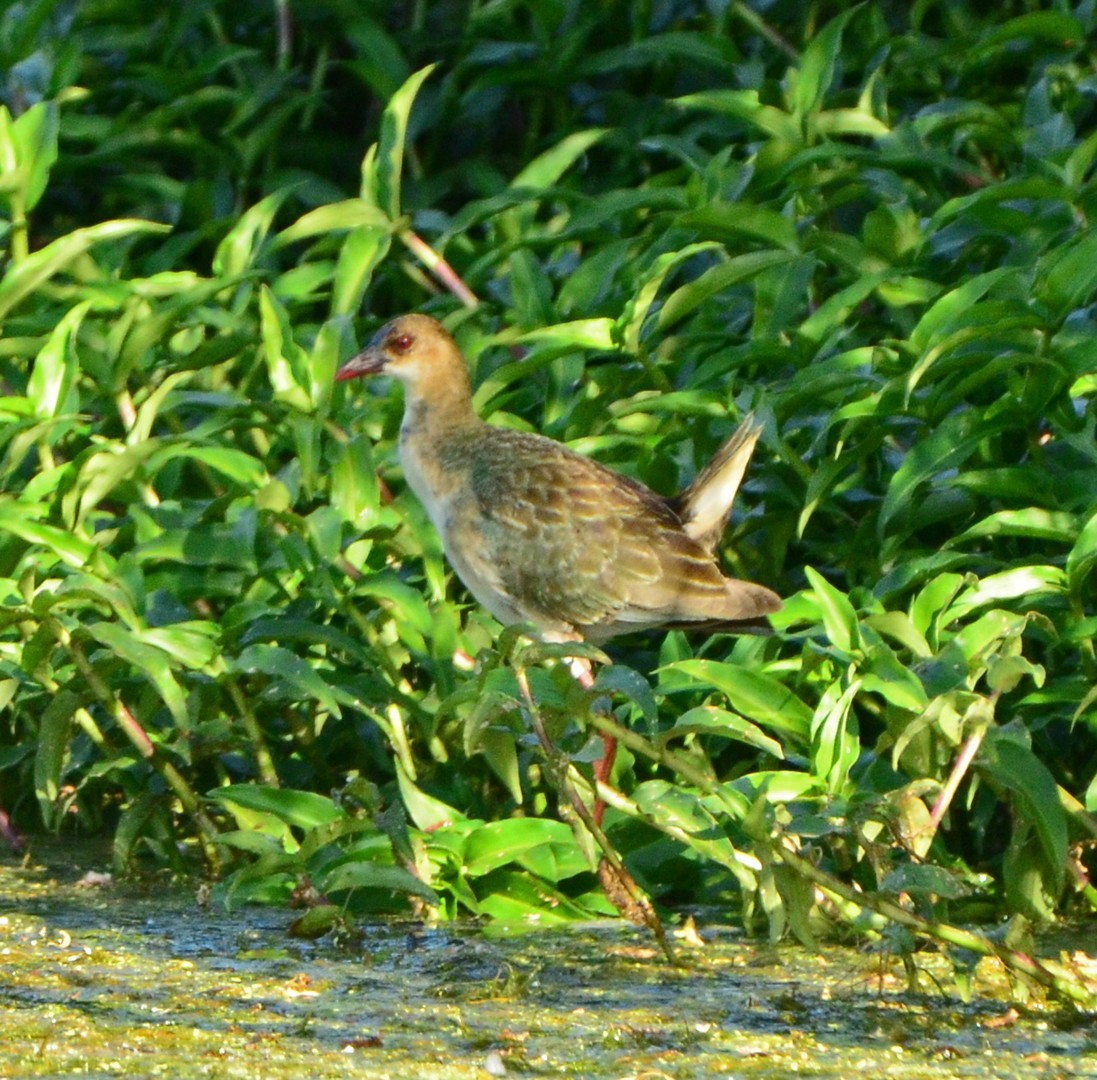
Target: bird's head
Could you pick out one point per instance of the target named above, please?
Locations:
(412, 348)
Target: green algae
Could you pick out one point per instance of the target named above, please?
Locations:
(126, 981)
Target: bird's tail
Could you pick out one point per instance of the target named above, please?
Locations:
(705, 506)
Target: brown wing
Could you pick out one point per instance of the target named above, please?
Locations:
(574, 543)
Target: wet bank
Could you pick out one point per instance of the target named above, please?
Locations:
(113, 979)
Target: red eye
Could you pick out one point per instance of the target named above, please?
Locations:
(402, 342)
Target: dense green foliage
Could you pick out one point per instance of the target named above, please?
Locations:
(867, 223)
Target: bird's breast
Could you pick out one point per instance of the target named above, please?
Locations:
(425, 476)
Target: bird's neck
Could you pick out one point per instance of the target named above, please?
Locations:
(438, 409)
(439, 437)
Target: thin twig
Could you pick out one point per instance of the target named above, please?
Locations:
(753, 19)
(959, 771)
(439, 267)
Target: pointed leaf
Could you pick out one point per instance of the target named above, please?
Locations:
(390, 149)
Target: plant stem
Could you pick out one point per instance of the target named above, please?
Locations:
(780, 847)
(439, 267)
(267, 771)
(128, 723)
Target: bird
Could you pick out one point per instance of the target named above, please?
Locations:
(543, 536)
(547, 538)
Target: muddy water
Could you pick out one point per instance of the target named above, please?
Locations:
(112, 980)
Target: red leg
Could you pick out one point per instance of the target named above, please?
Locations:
(582, 672)
(602, 769)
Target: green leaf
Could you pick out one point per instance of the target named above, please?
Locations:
(547, 168)
(1005, 672)
(360, 255)
(54, 735)
(901, 628)
(754, 695)
(1033, 521)
(1054, 27)
(515, 898)
(355, 490)
(287, 364)
(735, 271)
(818, 62)
(745, 105)
(839, 616)
(925, 880)
(1023, 582)
(52, 382)
(28, 150)
(939, 320)
(18, 518)
(950, 444)
(1083, 556)
(236, 465)
(350, 215)
(702, 828)
(883, 673)
(148, 660)
(240, 247)
(23, 279)
(709, 720)
(149, 409)
(835, 746)
(932, 600)
(731, 221)
(373, 876)
(100, 474)
(630, 684)
(299, 809)
(427, 812)
(1070, 275)
(195, 644)
(1014, 767)
(849, 122)
(407, 603)
(390, 149)
(544, 847)
(292, 678)
(837, 308)
(581, 334)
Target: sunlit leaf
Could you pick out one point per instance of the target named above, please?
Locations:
(291, 677)
(839, 616)
(545, 848)
(709, 720)
(20, 281)
(54, 734)
(390, 148)
(240, 246)
(818, 62)
(545, 169)
(301, 809)
(759, 697)
(149, 660)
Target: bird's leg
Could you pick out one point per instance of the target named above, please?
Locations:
(618, 884)
(584, 676)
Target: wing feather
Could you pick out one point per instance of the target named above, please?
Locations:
(570, 545)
